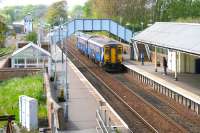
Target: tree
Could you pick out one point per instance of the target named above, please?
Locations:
(3, 30)
(17, 13)
(139, 13)
(77, 12)
(55, 12)
(122, 11)
(87, 9)
(32, 36)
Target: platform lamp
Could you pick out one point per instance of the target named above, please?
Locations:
(64, 69)
(66, 75)
(142, 24)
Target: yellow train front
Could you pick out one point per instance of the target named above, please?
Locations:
(113, 56)
(104, 51)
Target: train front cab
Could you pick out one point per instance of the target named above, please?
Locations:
(113, 57)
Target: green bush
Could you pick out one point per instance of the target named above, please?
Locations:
(6, 51)
(3, 30)
(32, 36)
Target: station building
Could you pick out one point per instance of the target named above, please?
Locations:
(179, 43)
(31, 56)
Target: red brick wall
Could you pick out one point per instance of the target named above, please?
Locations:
(7, 73)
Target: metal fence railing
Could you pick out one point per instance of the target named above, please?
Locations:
(106, 123)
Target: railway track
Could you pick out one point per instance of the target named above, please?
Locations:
(156, 119)
(163, 106)
(135, 121)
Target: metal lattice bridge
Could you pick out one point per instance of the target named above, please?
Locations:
(108, 25)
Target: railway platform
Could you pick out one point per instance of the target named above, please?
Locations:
(185, 91)
(85, 108)
(82, 105)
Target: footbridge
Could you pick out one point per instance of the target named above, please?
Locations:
(67, 29)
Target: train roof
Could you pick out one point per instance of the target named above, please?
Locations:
(98, 40)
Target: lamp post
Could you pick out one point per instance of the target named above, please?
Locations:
(39, 37)
(142, 24)
(64, 71)
(66, 83)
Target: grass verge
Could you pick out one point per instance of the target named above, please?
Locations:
(11, 89)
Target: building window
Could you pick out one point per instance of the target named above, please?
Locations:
(20, 61)
(41, 61)
(31, 61)
(16, 61)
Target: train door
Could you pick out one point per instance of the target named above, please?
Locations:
(107, 54)
(113, 55)
(119, 53)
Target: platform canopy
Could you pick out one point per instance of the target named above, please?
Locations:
(183, 37)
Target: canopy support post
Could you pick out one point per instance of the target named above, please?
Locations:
(176, 76)
(156, 59)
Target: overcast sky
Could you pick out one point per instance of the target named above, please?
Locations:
(71, 3)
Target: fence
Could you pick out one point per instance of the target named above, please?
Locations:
(166, 89)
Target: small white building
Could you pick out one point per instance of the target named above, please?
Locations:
(28, 23)
(28, 112)
(31, 56)
(18, 26)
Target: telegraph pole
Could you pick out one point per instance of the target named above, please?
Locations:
(64, 72)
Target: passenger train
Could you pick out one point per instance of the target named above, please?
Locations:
(106, 52)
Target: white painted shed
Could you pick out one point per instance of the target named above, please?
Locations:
(31, 56)
(28, 112)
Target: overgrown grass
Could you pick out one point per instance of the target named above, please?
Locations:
(189, 20)
(10, 90)
(6, 51)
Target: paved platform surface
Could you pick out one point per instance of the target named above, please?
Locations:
(82, 104)
(189, 82)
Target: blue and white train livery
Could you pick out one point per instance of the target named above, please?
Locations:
(106, 52)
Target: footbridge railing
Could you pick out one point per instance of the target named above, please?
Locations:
(67, 29)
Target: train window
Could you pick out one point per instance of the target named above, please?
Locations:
(119, 50)
(107, 51)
